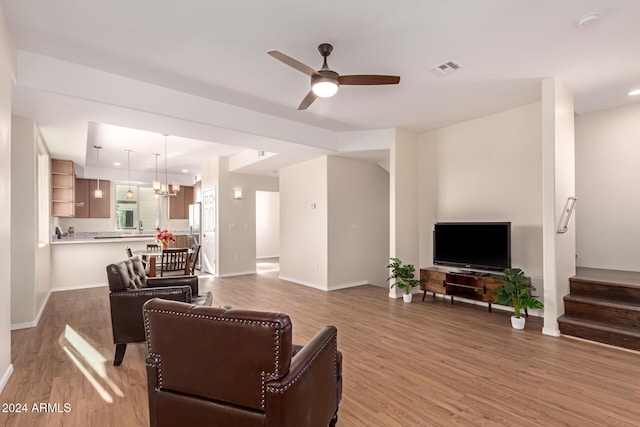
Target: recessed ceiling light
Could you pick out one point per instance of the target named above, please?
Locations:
(116, 163)
(185, 170)
(634, 92)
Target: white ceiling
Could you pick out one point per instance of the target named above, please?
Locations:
(212, 54)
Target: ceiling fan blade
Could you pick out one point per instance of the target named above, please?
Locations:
(293, 63)
(308, 100)
(368, 79)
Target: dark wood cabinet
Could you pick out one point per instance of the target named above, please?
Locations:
(470, 286)
(179, 205)
(87, 206)
(82, 198)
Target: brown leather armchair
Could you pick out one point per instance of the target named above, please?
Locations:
(130, 288)
(209, 366)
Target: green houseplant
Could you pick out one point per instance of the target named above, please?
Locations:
(516, 292)
(404, 277)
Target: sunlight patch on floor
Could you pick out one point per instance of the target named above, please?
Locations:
(90, 362)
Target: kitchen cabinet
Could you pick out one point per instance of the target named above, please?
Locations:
(87, 206)
(179, 205)
(182, 241)
(62, 188)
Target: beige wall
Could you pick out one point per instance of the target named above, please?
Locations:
(7, 76)
(558, 153)
(267, 224)
(237, 219)
(358, 223)
(403, 201)
(607, 188)
(30, 264)
(488, 169)
(303, 223)
(334, 223)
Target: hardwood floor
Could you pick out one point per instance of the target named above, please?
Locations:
(421, 364)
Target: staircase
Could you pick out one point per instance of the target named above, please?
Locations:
(603, 306)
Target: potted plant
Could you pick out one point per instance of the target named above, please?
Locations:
(516, 292)
(404, 277)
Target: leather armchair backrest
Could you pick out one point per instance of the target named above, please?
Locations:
(223, 355)
(127, 274)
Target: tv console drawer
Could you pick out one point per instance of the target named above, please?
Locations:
(438, 280)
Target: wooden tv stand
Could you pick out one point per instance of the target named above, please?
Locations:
(478, 287)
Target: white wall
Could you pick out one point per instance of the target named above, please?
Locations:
(237, 219)
(607, 188)
(7, 76)
(334, 223)
(303, 223)
(403, 201)
(488, 169)
(558, 154)
(358, 223)
(267, 224)
(30, 283)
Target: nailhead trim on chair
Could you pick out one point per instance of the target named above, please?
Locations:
(156, 291)
(282, 389)
(264, 376)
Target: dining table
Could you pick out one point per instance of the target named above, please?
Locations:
(153, 254)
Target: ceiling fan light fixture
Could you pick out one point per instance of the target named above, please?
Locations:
(324, 87)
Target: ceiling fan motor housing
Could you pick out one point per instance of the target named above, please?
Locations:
(325, 83)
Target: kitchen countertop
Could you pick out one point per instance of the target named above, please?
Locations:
(107, 237)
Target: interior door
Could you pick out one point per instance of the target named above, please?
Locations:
(209, 231)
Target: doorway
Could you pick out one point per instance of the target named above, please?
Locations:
(209, 231)
(267, 231)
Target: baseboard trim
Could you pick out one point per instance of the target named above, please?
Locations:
(75, 288)
(34, 323)
(323, 288)
(348, 285)
(534, 313)
(240, 273)
(302, 282)
(268, 257)
(551, 332)
(6, 376)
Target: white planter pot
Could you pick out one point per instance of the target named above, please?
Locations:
(517, 323)
(407, 297)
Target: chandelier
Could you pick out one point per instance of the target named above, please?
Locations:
(163, 189)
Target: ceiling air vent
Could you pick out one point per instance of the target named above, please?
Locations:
(447, 68)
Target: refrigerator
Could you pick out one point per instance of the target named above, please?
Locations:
(195, 229)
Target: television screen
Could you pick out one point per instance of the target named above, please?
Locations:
(472, 245)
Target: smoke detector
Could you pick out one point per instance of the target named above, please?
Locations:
(447, 67)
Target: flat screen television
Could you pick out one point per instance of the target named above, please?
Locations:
(472, 245)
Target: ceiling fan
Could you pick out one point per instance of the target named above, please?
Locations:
(325, 82)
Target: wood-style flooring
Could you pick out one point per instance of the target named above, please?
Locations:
(420, 364)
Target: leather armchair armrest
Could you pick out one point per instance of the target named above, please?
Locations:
(312, 387)
(152, 388)
(156, 282)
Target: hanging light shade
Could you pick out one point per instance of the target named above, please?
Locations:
(156, 183)
(162, 189)
(98, 192)
(129, 192)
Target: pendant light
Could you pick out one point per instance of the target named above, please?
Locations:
(129, 193)
(163, 189)
(98, 192)
(156, 183)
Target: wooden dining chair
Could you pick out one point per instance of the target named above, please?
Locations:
(175, 261)
(194, 257)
